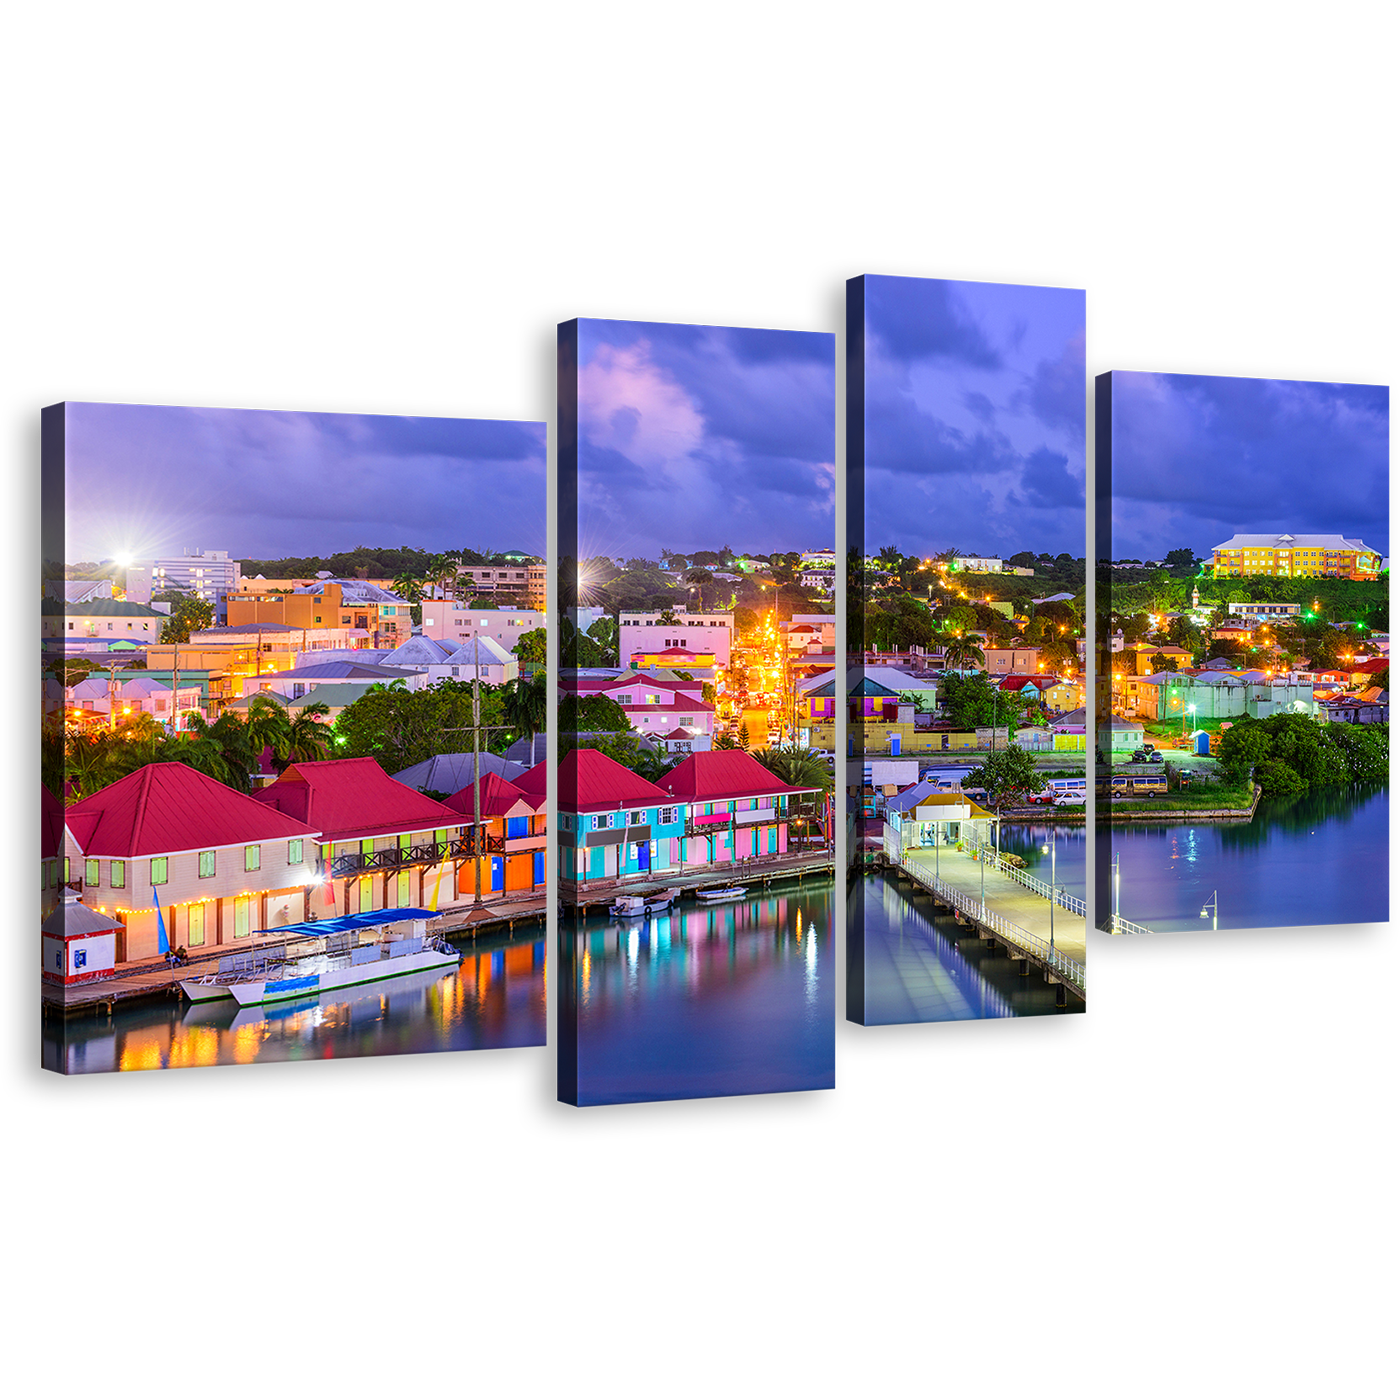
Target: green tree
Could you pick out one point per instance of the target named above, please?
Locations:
(795, 766)
(1277, 779)
(591, 714)
(531, 646)
(525, 704)
(1006, 773)
(399, 727)
(970, 701)
(189, 614)
(961, 653)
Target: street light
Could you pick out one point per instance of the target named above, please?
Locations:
(1050, 851)
(1117, 872)
(1213, 904)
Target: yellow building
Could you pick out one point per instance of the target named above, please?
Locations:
(1295, 556)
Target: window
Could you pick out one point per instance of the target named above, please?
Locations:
(92, 875)
(118, 875)
(160, 867)
(636, 818)
(665, 816)
(79, 958)
(294, 851)
(252, 857)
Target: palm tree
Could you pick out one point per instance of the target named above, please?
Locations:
(525, 704)
(963, 652)
(795, 766)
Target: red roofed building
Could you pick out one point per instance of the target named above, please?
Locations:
(220, 863)
(516, 833)
(533, 783)
(384, 844)
(674, 656)
(735, 808)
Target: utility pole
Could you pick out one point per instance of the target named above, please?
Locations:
(476, 728)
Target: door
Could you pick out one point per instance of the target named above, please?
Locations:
(405, 897)
(498, 872)
(194, 936)
(644, 855)
(242, 916)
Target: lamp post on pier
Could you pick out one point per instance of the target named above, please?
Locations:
(1050, 851)
(1213, 904)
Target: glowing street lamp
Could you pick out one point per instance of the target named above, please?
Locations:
(1213, 904)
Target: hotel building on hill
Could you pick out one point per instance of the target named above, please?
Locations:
(1295, 556)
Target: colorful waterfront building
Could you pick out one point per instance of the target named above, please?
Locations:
(516, 830)
(170, 847)
(708, 811)
(383, 845)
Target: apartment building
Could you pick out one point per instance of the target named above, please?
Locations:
(208, 574)
(1295, 556)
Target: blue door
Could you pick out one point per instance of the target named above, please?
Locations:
(894, 745)
(539, 867)
(498, 872)
(643, 855)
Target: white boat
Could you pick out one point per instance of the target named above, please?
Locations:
(715, 896)
(316, 976)
(340, 938)
(637, 906)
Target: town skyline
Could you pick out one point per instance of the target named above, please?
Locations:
(152, 481)
(1198, 459)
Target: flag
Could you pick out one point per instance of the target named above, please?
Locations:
(164, 946)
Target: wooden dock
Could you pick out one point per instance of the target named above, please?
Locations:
(153, 980)
(598, 895)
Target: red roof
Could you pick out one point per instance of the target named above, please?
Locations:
(1373, 667)
(590, 781)
(352, 799)
(532, 783)
(168, 807)
(691, 706)
(581, 685)
(1021, 682)
(675, 653)
(720, 775)
(499, 798)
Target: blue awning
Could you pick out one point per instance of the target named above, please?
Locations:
(374, 918)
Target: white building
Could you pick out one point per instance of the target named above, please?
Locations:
(644, 633)
(819, 559)
(206, 573)
(134, 694)
(479, 659)
(824, 623)
(452, 623)
(1265, 612)
(975, 564)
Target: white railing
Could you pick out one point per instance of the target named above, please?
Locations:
(1121, 925)
(1040, 948)
(1058, 896)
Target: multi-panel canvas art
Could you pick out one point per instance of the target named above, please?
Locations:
(697, 712)
(966, 765)
(294, 699)
(1243, 686)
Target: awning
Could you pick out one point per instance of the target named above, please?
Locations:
(374, 918)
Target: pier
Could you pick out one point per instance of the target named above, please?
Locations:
(155, 978)
(762, 872)
(1014, 911)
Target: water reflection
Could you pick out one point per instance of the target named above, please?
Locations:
(494, 999)
(700, 1002)
(924, 966)
(1319, 858)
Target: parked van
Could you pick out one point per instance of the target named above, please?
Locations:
(1063, 792)
(1131, 785)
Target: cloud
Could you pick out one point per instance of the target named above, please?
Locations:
(919, 318)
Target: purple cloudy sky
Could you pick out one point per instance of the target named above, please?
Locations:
(975, 398)
(149, 481)
(1198, 458)
(696, 437)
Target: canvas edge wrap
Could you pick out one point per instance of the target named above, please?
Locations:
(1102, 659)
(855, 635)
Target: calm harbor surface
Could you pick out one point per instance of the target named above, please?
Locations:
(1321, 858)
(925, 966)
(493, 1000)
(701, 1002)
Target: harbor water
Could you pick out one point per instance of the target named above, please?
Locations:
(699, 1002)
(1320, 858)
(923, 966)
(494, 999)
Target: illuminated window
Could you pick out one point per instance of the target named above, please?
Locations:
(294, 852)
(92, 876)
(160, 866)
(118, 875)
(252, 857)
(206, 864)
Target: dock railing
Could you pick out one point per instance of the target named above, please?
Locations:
(1116, 924)
(1012, 872)
(1060, 963)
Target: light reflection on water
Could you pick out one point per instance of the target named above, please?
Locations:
(494, 999)
(699, 1002)
(1322, 858)
(924, 967)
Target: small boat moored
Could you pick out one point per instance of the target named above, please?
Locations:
(637, 906)
(716, 896)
